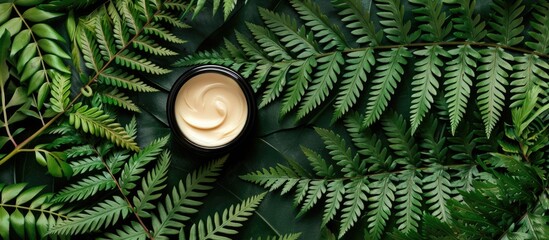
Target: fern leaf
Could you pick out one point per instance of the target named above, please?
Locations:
(273, 178)
(358, 19)
(118, 78)
(388, 75)
(105, 39)
(277, 83)
(317, 188)
(434, 18)
(507, 21)
(85, 188)
(383, 197)
(133, 232)
(60, 92)
(253, 51)
(149, 46)
(368, 145)
(425, 83)
(86, 165)
(79, 151)
(437, 191)
(396, 28)
(334, 197)
(136, 62)
(302, 189)
(170, 19)
(183, 200)
(162, 33)
(294, 236)
(541, 30)
(352, 165)
(491, 85)
(119, 99)
(530, 71)
(354, 204)
(324, 80)
(104, 214)
(217, 227)
(359, 65)
(468, 26)
(296, 39)
(400, 139)
(409, 201)
(136, 164)
(458, 82)
(301, 76)
(320, 166)
(327, 33)
(90, 51)
(269, 43)
(151, 185)
(95, 121)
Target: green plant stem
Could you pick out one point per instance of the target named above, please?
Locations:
(4, 111)
(34, 39)
(34, 209)
(127, 200)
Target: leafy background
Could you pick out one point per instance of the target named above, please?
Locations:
(275, 141)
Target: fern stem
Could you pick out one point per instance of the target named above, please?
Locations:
(35, 210)
(33, 39)
(127, 200)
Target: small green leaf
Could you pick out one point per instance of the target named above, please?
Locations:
(4, 223)
(28, 195)
(46, 31)
(12, 191)
(5, 11)
(43, 94)
(13, 26)
(36, 14)
(28, 53)
(17, 221)
(31, 67)
(30, 225)
(36, 81)
(20, 41)
(19, 97)
(40, 158)
(53, 48)
(56, 62)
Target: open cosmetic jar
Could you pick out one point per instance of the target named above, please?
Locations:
(211, 110)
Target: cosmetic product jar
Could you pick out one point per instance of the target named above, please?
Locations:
(211, 110)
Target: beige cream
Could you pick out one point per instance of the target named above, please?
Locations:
(211, 109)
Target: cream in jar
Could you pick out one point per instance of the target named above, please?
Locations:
(211, 109)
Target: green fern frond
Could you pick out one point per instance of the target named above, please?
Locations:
(277, 82)
(507, 21)
(93, 120)
(151, 185)
(170, 19)
(320, 166)
(396, 28)
(409, 199)
(434, 19)
(85, 188)
(358, 19)
(119, 99)
(491, 85)
(469, 26)
(133, 232)
(323, 81)
(383, 191)
(298, 40)
(90, 51)
(541, 30)
(104, 214)
(316, 189)
(530, 71)
(145, 44)
(334, 198)
(326, 32)
(79, 151)
(368, 144)
(183, 200)
(60, 92)
(301, 76)
(359, 65)
(218, 227)
(388, 75)
(86, 165)
(137, 62)
(425, 82)
(119, 78)
(352, 165)
(105, 39)
(269, 43)
(162, 33)
(437, 191)
(274, 177)
(459, 72)
(400, 139)
(136, 164)
(355, 198)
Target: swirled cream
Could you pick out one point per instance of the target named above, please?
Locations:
(211, 109)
